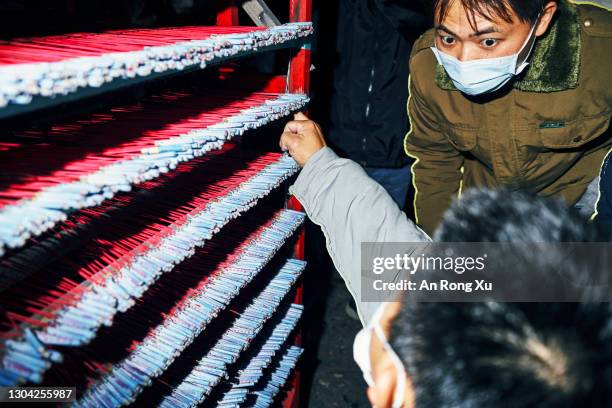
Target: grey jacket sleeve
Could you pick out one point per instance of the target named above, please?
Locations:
(350, 208)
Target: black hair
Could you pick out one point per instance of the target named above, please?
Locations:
(525, 10)
(501, 355)
(505, 216)
(493, 354)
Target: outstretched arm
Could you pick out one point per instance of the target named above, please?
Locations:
(350, 207)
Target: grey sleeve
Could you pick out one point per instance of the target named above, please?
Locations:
(351, 208)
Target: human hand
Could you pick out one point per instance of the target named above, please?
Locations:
(302, 138)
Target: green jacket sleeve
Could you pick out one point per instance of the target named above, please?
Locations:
(436, 173)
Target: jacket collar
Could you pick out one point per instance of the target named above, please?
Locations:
(554, 64)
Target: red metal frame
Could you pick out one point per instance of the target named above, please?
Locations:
(299, 71)
(228, 13)
(298, 82)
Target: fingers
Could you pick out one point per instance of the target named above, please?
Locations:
(287, 141)
(299, 126)
(282, 142)
(293, 127)
(301, 138)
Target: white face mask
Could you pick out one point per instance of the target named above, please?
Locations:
(485, 75)
(361, 354)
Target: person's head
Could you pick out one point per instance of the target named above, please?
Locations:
(486, 354)
(514, 216)
(479, 29)
(506, 354)
(483, 45)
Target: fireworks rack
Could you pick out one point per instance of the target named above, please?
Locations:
(163, 267)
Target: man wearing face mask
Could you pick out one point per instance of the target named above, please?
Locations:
(508, 93)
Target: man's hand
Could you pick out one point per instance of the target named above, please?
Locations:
(302, 138)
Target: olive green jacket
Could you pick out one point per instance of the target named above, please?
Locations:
(548, 134)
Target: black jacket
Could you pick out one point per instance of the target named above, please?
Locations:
(370, 87)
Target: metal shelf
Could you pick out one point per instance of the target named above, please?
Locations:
(41, 102)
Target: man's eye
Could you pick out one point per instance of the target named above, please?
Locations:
(448, 40)
(489, 42)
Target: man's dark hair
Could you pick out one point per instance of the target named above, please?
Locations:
(525, 10)
(505, 216)
(493, 354)
(515, 355)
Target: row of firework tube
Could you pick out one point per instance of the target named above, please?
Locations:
(28, 358)
(119, 290)
(20, 83)
(32, 217)
(152, 357)
(210, 370)
(265, 396)
(248, 377)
